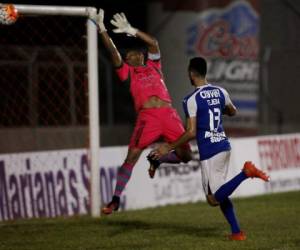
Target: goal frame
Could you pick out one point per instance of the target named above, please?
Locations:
(93, 94)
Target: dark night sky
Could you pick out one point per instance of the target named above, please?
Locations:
(134, 10)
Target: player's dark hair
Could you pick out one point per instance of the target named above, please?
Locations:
(132, 44)
(198, 65)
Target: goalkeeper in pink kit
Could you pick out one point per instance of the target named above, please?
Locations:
(155, 116)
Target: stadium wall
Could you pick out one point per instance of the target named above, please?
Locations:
(61, 186)
(43, 138)
(279, 58)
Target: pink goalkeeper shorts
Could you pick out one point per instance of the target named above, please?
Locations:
(155, 123)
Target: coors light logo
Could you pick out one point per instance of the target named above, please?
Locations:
(229, 33)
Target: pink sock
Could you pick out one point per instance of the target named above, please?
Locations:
(123, 177)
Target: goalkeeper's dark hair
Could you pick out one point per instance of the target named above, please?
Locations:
(198, 65)
(132, 44)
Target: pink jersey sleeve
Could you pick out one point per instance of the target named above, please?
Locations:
(123, 71)
(155, 63)
(154, 59)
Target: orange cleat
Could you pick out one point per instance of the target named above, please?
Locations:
(251, 171)
(238, 236)
(112, 206)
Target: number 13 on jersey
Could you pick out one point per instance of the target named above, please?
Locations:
(214, 118)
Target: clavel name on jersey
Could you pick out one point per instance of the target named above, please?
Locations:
(212, 96)
(214, 93)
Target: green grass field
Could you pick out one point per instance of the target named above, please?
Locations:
(271, 222)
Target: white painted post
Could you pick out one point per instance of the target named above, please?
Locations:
(92, 46)
(92, 35)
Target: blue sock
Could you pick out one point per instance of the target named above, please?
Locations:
(228, 211)
(171, 157)
(227, 189)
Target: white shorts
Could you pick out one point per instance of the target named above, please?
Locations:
(214, 172)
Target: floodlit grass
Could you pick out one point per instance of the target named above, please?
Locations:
(271, 222)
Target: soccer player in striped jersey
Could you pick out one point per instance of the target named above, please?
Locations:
(204, 108)
(156, 117)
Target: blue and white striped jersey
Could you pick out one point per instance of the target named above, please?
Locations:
(206, 103)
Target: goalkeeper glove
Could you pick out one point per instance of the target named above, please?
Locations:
(98, 19)
(122, 25)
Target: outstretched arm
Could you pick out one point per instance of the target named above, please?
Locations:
(151, 42)
(123, 26)
(116, 58)
(112, 49)
(189, 134)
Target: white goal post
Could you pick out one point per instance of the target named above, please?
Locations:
(93, 103)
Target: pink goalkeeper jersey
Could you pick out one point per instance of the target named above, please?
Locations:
(145, 81)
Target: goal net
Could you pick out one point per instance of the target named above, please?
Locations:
(49, 113)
